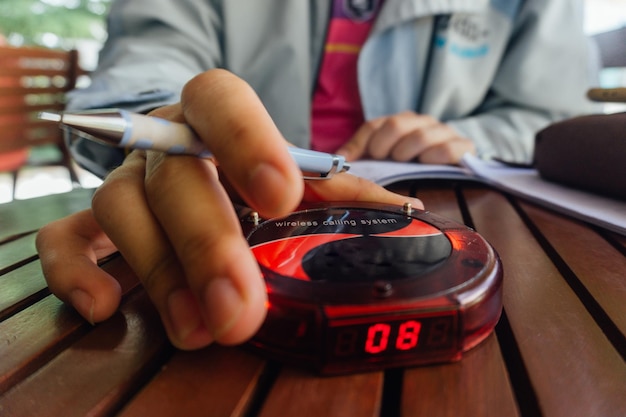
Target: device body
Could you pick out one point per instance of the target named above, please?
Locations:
(357, 287)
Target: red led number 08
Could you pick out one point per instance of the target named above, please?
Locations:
(378, 336)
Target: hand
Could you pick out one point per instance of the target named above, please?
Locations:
(407, 136)
(172, 219)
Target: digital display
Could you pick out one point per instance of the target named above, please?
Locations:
(390, 338)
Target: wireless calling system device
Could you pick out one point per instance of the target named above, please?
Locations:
(358, 287)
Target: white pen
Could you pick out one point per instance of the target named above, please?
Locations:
(124, 129)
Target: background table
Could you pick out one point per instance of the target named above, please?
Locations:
(558, 350)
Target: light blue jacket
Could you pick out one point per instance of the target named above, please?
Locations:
(495, 70)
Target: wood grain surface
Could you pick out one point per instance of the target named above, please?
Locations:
(558, 351)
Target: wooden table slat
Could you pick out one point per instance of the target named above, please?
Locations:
(299, 393)
(44, 327)
(594, 261)
(478, 385)
(216, 381)
(35, 336)
(99, 372)
(550, 343)
(442, 202)
(560, 345)
(18, 252)
(20, 288)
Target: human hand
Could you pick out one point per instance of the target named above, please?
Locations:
(407, 136)
(172, 219)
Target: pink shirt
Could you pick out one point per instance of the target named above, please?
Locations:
(336, 110)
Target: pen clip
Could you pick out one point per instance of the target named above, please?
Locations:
(339, 165)
(316, 176)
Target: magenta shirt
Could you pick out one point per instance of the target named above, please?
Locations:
(336, 110)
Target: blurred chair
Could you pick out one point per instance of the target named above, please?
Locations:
(32, 80)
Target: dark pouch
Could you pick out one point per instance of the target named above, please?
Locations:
(586, 152)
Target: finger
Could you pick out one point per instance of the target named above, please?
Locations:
(69, 250)
(196, 213)
(396, 127)
(414, 143)
(356, 147)
(348, 187)
(449, 152)
(173, 112)
(121, 209)
(227, 114)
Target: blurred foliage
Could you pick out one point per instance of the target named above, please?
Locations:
(52, 23)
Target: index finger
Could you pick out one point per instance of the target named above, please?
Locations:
(230, 118)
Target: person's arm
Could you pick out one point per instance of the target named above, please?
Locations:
(153, 48)
(543, 78)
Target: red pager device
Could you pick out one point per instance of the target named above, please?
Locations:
(358, 287)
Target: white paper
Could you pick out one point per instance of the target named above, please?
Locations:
(602, 211)
(389, 172)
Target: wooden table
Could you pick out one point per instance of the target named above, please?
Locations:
(558, 350)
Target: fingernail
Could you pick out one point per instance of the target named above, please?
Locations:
(84, 304)
(262, 178)
(415, 202)
(184, 314)
(224, 306)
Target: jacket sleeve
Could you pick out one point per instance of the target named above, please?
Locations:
(153, 48)
(542, 78)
